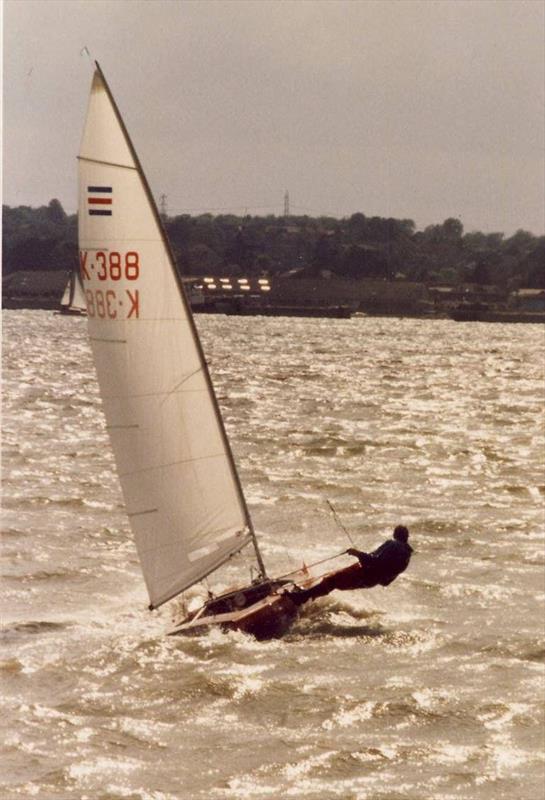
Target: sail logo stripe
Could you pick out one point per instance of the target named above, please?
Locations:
(104, 199)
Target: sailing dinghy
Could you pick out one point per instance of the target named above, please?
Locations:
(73, 298)
(180, 484)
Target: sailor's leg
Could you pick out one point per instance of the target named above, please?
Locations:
(353, 577)
(300, 596)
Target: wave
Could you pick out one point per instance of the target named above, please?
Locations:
(13, 532)
(35, 626)
(336, 630)
(44, 575)
(40, 500)
(534, 654)
(518, 652)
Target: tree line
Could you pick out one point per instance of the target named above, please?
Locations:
(356, 247)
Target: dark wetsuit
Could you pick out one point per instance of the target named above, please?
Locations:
(385, 563)
(382, 566)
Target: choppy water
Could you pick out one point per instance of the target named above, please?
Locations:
(432, 688)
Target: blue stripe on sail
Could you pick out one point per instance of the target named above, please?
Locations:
(99, 188)
(94, 213)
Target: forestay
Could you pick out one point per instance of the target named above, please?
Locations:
(180, 486)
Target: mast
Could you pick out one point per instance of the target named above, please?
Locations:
(72, 289)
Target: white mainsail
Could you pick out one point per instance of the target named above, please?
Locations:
(179, 482)
(66, 295)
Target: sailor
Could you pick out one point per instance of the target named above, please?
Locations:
(389, 560)
(380, 567)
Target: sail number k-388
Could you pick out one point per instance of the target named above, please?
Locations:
(111, 266)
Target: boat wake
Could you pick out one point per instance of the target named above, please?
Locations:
(329, 628)
(337, 618)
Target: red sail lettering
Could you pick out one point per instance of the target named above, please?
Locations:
(82, 262)
(110, 304)
(134, 309)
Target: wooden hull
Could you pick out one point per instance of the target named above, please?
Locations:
(71, 312)
(269, 618)
(265, 611)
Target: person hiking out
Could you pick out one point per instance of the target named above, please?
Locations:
(380, 567)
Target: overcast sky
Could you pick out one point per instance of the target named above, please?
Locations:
(420, 110)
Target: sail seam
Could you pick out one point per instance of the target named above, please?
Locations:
(175, 389)
(107, 163)
(121, 427)
(170, 464)
(152, 394)
(237, 534)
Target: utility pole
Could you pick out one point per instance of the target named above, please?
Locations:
(163, 207)
(287, 204)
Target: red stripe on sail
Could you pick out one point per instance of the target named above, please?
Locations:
(102, 201)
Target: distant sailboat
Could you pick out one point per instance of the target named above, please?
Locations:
(181, 488)
(73, 299)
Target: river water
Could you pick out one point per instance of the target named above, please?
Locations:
(431, 688)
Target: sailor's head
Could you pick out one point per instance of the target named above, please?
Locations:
(401, 533)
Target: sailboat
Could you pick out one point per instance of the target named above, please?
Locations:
(73, 298)
(182, 491)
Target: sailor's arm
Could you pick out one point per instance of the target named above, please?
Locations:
(365, 559)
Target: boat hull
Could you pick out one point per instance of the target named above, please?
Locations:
(269, 618)
(265, 610)
(71, 312)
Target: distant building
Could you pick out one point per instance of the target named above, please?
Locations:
(33, 288)
(528, 299)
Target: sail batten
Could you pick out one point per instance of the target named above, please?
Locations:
(165, 466)
(172, 454)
